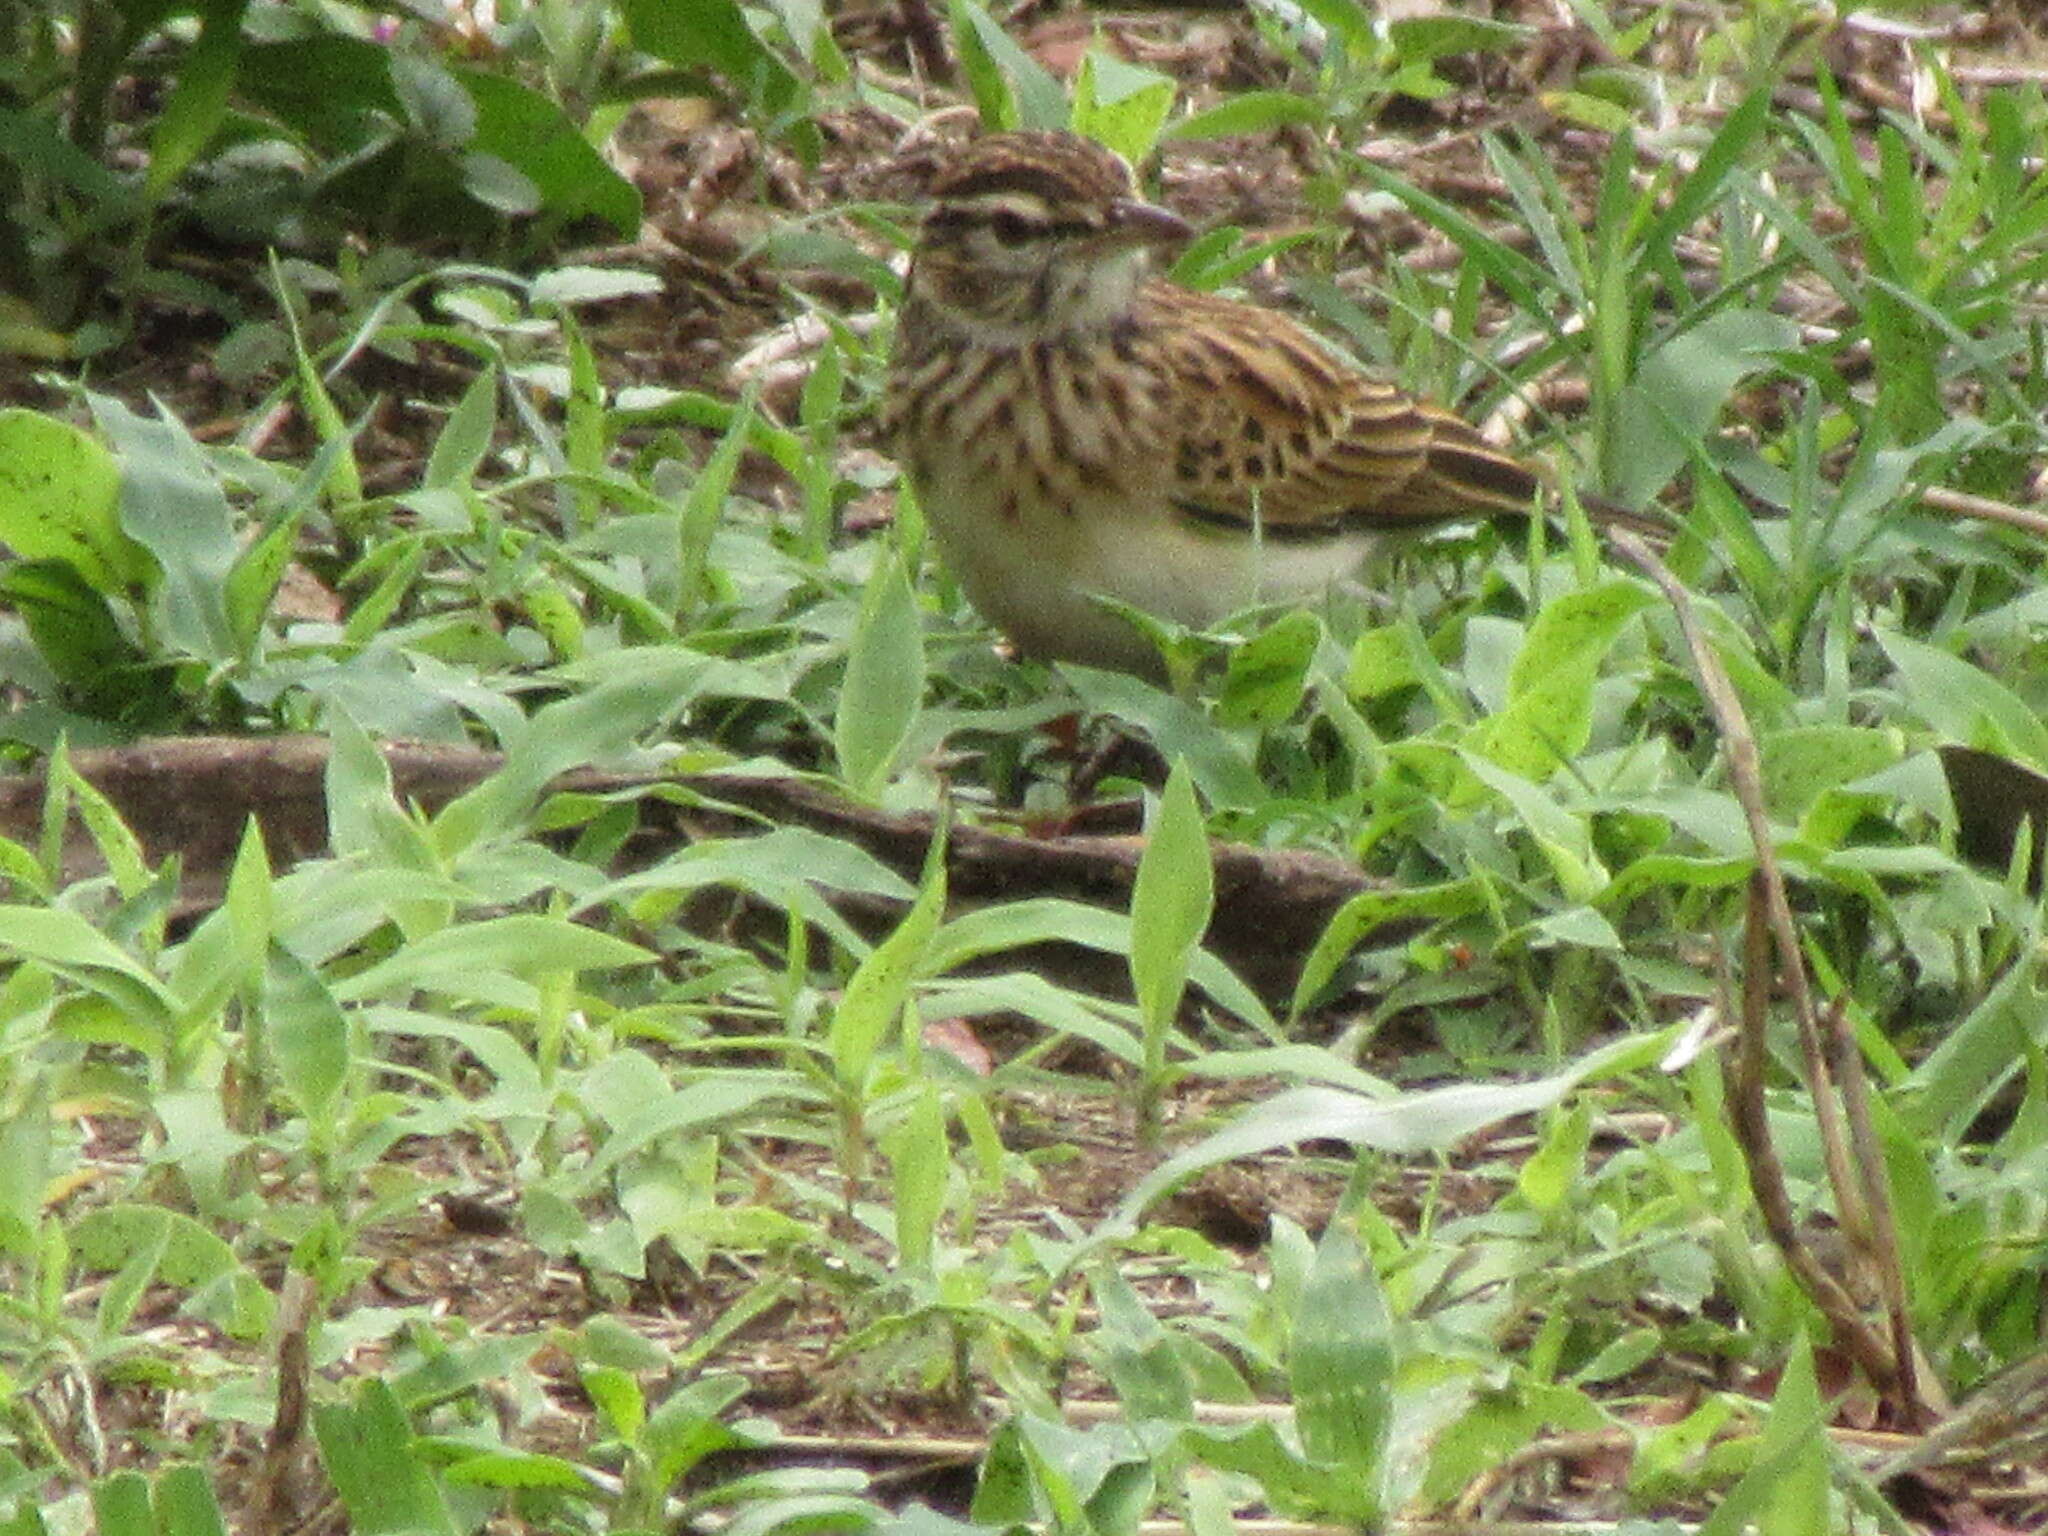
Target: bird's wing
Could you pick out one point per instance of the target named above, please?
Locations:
(1270, 424)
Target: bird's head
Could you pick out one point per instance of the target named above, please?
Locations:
(1036, 235)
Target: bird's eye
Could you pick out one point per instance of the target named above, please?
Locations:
(1010, 228)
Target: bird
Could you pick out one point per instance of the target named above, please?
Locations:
(1078, 428)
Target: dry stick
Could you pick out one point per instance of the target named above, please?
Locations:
(1963, 504)
(1745, 774)
(1854, 1193)
(1845, 1066)
(1747, 1118)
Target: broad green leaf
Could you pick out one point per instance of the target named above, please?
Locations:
(187, 1254)
(1549, 715)
(616, 1396)
(370, 1453)
(1341, 1369)
(120, 1505)
(1138, 1357)
(1803, 761)
(25, 1168)
(1965, 704)
(1675, 399)
(309, 1035)
(172, 504)
(438, 109)
(1564, 837)
(1786, 1488)
(1362, 914)
(185, 1503)
(919, 1158)
(1405, 1124)
(462, 961)
(1121, 105)
(713, 32)
(199, 101)
(1546, 1179)
(885, 669)
(1435, 36)
(80, 639)
(1268, 675)
(1170, 906)
(689, 1425)
(466, 434)
(877, 991)
(1219, 760)
(1250, 112)
(529, 133)
(60, 498)
(1011, 88)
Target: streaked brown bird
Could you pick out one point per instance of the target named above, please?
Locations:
(1075, 427)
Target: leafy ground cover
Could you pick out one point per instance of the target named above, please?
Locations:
(621, 1007)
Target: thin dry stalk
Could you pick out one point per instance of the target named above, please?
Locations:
(1854, 1161)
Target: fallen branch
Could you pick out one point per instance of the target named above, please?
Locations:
(195, 796)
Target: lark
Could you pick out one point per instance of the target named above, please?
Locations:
(1077, 428)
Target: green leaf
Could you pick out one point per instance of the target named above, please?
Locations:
(185, 1503)
(1786, 1488)
(1341, 1369)
(1011, 88)
(885, 671)
(1548, 718)
(1121, 105)
(1965, 704)
(686, 1427)
(77, 635)
(518, 1470)
(464, 961)
(172, 505)
(876, 992)
(199, 101)
(526, 132)
(1564, 837)
(1219, 760)
(698, 517)
(1268, 675)
(616, 1396)
(370, 1454)
(120, 1505)
(466, 434)
(713, 32)
(252, 583)
(1369, 910)
(68, 943)
(1559, 1162)
(60, 497)
(919, 1159)
(438, 109)
(309, 1035)
(1405, 1124)
(1800, 763)
(25, 1166)
(1428, 37)
(1250, 112)
(1138, 1357)
(1676, 397)
(184, 1252)
(1170, 906)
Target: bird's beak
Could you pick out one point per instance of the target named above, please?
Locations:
(1132, 224)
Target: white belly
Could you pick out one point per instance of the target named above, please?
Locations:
(1036, 571)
